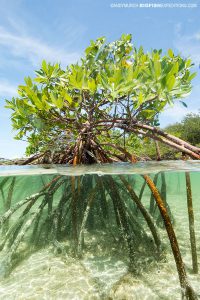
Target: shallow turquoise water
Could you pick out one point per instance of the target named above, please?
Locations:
(51, 269)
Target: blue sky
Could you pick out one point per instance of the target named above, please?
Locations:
(60, 30)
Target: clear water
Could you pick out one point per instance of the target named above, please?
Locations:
(52, 268)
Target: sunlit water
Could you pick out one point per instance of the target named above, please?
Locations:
(54, 272)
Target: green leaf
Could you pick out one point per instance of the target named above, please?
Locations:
(140, 98)
(44, 66)
(149, 113)
(126, 37)
(188, 63)
(60, 102)
(170, 82)
(53, 97)
(41, 79)
(92, 85)
(28, 81)
(68, 98)
(157, 67)
(170, 53)
(183, 103)
(175, 68)
(76, 77)
(38, 123)
(192, 76)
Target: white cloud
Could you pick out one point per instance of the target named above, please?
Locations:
(197, 36)
(177, 29)
(33, 49)
(12, 149)
(7, 89)
(177, 112)
(188, 45)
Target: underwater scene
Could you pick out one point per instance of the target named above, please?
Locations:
(112, 231)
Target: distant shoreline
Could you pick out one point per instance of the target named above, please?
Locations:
(8, 161)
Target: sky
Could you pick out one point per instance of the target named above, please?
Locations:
(60, 30)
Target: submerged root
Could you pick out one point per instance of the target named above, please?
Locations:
(191, 224)
(83, 224)
(145, 213)
(7, 203)
(123, 221)
(68, 209)
(187, 291)
(18, 230)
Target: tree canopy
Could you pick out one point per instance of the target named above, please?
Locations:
(115, 86)
(191, 128)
